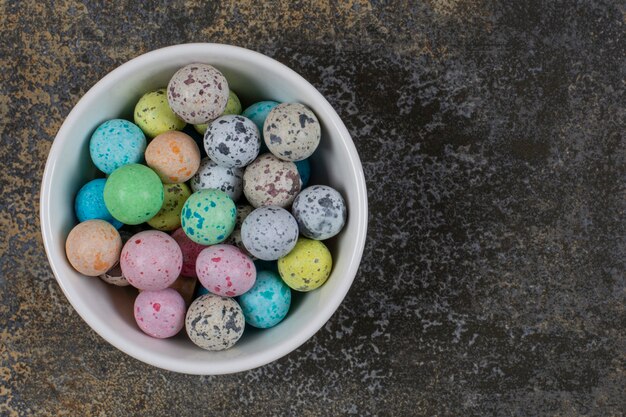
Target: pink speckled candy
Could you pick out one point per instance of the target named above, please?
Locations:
(160, 313)
(151, 260)
(190, 250)
(225, 270)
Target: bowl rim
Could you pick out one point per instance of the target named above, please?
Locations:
(309, 329)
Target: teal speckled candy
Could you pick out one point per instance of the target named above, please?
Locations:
(208, 216)
(267, 302)
(116, 143)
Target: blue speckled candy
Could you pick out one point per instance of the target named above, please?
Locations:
(116, 143)
(304, 169)
(257, 113)
(267, 302)
(89, 203)
(208, 216)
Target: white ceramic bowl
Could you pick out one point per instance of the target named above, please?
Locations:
(108, 309)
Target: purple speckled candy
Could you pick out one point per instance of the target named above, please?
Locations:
(232, 141)
(268, 181)
(190, 250)
(151, 260)
(225, 270)
(197, 93)
(160, 313)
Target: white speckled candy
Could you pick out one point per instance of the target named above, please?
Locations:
(160, 313)
(197, 93)
(291, 131)
(269, 233)
(212, 175)
(232, 141)
(268, 181)
(214, 322)
(320, 212)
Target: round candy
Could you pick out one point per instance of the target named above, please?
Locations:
(174, 156)
(307, 266)
(160, 313)
(197, 93)
(168, 218)
(258, 113)
(93, 247)
(151, 260)
(224, 270)
(304, 169)
(89, 203)
(212, 175)
(115, 276)
(233, 106)
(291, 131)
(320, 212)
(208, 216)
(232, 141)
(267, 303)
(116, 143)
(133, 194)
(190, 250)
(214, 322)
(269, 232)
(186, 287)
(235, 237)
(268, 181)
(154, 116)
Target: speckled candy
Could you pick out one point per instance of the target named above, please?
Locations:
(214, 322)
(174, 197)
(93, 247)
(212, 175)
(269, 232)
(208, 216)
(174, 156)
(197, 93)
(307, 266)
(160, 313)
(154, 116)
(190, 250)
(232, 141)
(291, 131)
(116, 143)
(233, 106)
(225, 270)
(320, 212)
(304, 169)
(267, 303)
(89, 203)
(151, 260)
(268, 181)
(133, 194)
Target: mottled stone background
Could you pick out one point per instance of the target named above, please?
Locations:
(492, 137)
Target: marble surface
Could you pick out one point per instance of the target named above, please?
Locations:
(492, 138)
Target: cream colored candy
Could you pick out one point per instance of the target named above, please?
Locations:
(93, 247)
(268, 181)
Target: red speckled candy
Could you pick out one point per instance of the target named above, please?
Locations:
(190, 250)
(160, 313)
(224, 270)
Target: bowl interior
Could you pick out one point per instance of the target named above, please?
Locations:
(109, 309)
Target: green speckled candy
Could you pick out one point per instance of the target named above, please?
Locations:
(133, 194)
(208, 216)
(154, 116)
(168, 218)
(233, 106)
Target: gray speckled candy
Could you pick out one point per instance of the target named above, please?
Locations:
(268, 181)
(269, 233)
(197, 93)
(320, 212)
(291, 131)
(212, 175)
(232, 141)
(214, 322)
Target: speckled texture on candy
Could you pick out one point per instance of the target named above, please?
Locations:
(197, 93)
(174, 197)
(93, 247)
(307, 266)
(225, 270)
(214, 322)
(267, 303)
(268, 181)
(151, 260)
(232, 141)
(174, 156)
(269, 232)
(154, 116)
(160, 313)
(115, 143)
(89, 203)
(114, 275)
(212, 175)
(304, 169)
(243, 210)
(233, 106)
(291, 131)
(190, 250)
(320, 211)
(208, 216)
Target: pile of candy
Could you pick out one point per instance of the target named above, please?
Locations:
(228, 213)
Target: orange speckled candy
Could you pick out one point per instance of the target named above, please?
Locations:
(174, 156)
(93, 247)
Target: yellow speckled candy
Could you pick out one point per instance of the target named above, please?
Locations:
(307, 266)
(154, 116)
(233, 106)
(174, 197)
